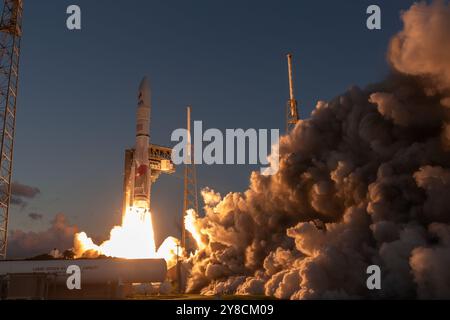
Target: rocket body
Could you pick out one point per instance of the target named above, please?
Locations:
(141, 169)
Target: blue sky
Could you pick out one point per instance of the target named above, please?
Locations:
(76, 112)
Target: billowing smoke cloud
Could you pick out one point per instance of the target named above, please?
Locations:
(60, 234)
(422, 48)
(364, 181)
(20, 192)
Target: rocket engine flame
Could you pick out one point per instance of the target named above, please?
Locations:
(134, 239)
(363, 181)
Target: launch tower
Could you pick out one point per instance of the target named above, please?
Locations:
(10, 36)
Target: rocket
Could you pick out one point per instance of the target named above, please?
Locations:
(145, 162)
(140, 171)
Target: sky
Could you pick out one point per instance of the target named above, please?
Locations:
(78, 89)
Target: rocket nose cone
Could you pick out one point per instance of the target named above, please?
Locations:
(144, 92)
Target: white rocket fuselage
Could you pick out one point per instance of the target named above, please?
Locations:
(141, 169)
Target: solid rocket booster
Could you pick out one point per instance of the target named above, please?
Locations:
(141, 186)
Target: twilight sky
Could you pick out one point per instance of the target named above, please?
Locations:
(77, 98)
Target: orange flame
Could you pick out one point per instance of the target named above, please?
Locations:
(134, 239)
(190, 223)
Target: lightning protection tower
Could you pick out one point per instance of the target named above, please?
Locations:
(10, 36)
(291, 108)
(190, 182)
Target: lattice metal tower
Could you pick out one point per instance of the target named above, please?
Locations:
(10, 36)
(291, 108)
(190, 182)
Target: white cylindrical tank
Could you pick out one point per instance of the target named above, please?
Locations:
(93, 271)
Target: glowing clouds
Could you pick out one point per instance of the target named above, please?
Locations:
(423, 47)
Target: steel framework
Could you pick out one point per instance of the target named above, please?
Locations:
(10, 36)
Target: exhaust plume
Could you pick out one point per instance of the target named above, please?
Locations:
(364, 181)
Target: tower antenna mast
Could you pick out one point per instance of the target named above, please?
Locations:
(190, 200)
(291, 109)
